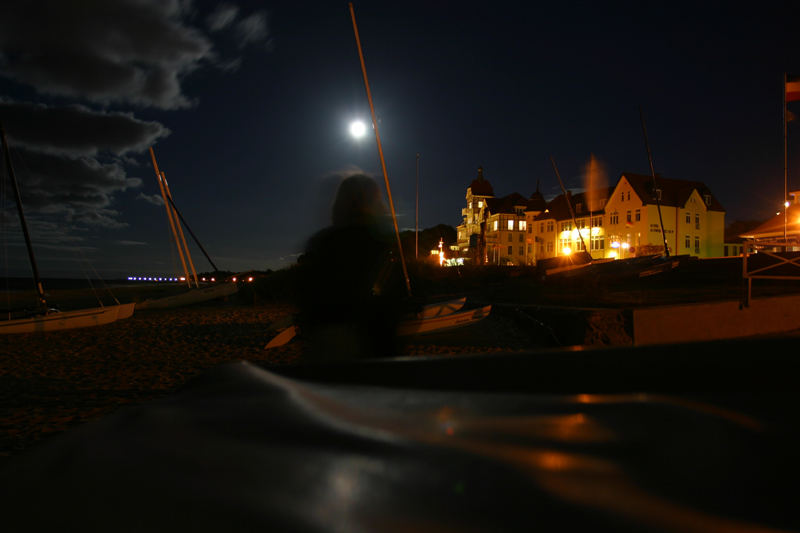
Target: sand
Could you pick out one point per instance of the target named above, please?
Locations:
(53, 381)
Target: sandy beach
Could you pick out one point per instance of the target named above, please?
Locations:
(50, 382)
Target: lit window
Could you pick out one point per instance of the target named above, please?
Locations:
(480, 204)
(495, 225)
(510, 224)
(598, 242)
(614, 218)
(523, 224)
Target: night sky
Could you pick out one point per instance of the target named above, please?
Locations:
(247, 105)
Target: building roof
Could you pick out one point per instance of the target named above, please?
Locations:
(536, 202)
(481, 186)
(774, 226)
(674, 192)
(557, 207)
(506, 204)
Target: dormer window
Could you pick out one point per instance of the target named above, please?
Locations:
(658, 194)
(707, 198)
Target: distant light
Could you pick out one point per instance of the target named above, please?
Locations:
(250, 279)
(212, 279)
(233, 279)
(625, 245)
(615, 244)
(358, 129)
(183, 278)
(786, 204)
(566, 251)
(612, 255)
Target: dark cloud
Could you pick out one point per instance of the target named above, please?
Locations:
(77, 190)
(77, 130)
(222, 17)
(131, 51)
(154, 199)
(252, 29)
(125, 51)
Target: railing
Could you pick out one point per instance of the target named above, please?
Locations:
(782, 267)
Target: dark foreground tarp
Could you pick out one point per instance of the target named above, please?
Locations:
(561, 441)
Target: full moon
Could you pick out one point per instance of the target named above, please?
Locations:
(358, 129)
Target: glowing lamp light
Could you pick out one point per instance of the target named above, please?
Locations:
(625, 245)
(184, 279)
(213, 279)
(595, 231)
(250, 279)
(233, 279)
(612, 255)
(566, 251)
(615, 244)
(358, 129)
(786, 204)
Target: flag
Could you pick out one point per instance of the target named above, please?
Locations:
(792, 88)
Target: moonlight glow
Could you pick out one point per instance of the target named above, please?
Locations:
(358, 129)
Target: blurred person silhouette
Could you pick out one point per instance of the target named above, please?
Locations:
(350, 291)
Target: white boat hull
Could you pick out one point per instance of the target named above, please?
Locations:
(442, 323)
(81, 318)
(192, 296)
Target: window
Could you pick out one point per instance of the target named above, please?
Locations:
(688, 217)
(597, 222)
(495, 225)
(629, 195)
(550, 225)
(510, 250)
(510, 237)
(578, 207)
(697, 245)
(726, 251)
(523, 225)
(688, 241)
(638, 215)
(470, 205)
(550, 246)
(629, 216)
(530, 228)
(480, 204)
(581, 222)
(658, 194)
(521, 250)
(521, 237)
(622, 197)
(529, 248)
(510, 224)
(697, 221)
(598, 242)
(707, 198)
(581, 246)
(614, 219)
(566, 226)
(541, 227)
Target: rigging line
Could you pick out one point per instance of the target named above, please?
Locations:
(172, 203)
(79, 253)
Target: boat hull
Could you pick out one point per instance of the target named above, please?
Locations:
(192, 296)
(442, 323)
(81, 318)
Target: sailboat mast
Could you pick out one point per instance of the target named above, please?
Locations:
(785, 162)
(416, 218)
(655, 185)
(380, 150)
(180, 228)
(569, 205)
(169, 217)
(18, 199)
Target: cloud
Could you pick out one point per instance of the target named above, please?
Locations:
(252, 29)
(122, 51)
(131, 243)
(77, 130)
(128, 51)
(154, 199)
(222, 17)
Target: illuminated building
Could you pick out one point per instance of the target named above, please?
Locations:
(495, 230)
(625, 221)
(615, 222)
